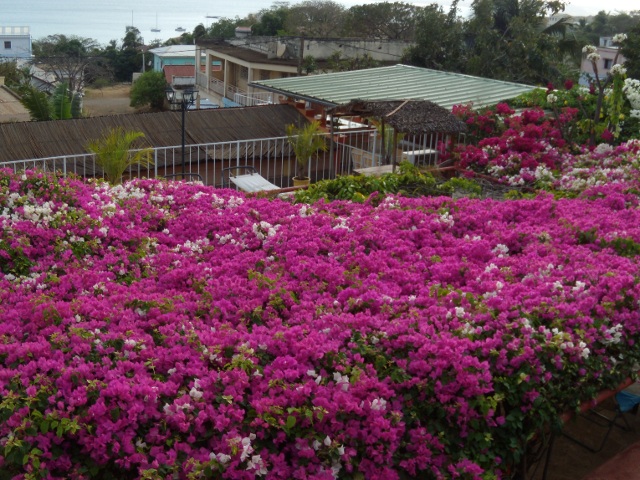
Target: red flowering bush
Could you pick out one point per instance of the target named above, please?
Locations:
(529, 149)
(167, 330)
(482, 123)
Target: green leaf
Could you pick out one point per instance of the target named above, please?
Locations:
(291, 422)
(115, 414)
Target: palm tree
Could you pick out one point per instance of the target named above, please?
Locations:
(115, 153)
(305, 141)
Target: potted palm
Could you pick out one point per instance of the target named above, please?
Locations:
(305, 141)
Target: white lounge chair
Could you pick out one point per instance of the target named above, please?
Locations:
(247, 179)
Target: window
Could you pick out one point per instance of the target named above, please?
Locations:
(608, 63)
(7, 45)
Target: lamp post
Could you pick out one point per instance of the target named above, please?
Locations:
(184, 99)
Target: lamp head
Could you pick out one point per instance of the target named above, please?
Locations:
(171, 94)
(189, 95)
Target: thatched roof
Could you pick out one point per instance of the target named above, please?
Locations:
(32, 140)
(413, 117)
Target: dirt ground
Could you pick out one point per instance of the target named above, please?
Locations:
(112, 100)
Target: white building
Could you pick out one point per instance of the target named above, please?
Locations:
(609, 56)
(15, 42)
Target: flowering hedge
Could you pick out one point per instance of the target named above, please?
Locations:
(165, 330)
(529, 149)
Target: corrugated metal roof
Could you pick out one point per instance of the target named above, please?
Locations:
(398, 82)
(175, 51)
(31, 140)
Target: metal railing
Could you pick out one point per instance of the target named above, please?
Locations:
(253, 99)
(273, 158)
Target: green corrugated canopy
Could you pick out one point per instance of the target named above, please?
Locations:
(398, 82)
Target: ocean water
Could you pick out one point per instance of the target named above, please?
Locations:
(106, 20)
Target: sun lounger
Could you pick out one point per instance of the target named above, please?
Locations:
(247, 179)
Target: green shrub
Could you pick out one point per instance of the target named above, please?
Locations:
(408, 181)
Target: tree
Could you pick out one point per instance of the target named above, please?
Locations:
(506, 39)
(126, 59)
(631, 51)
(305, 141)
(395, 21)
(337, 63)
(149, 89)
(66, 58)
(316, 18)
(11, 73)
(271, 21)
(439, 39)
(115, 153)
(36, 102)
(61, 105)
(224, 28)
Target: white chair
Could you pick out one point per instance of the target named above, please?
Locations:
(247, 179)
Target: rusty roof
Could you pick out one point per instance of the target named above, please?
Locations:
(31, 140)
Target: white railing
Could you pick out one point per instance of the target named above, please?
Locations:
(217, 86)
(272, 158)
(253, 99)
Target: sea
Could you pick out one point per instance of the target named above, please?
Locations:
(106, 20)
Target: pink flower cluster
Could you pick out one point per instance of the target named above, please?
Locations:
(167, 330)
(528, 149)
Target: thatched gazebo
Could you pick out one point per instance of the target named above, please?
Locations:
(411, 117)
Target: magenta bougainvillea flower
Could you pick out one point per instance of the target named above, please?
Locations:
(170, 330)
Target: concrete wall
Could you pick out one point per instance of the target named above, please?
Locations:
(320, 48)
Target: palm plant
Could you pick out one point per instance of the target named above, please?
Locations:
(115, 154)
(305, 141)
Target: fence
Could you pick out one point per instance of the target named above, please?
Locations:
(271, 157)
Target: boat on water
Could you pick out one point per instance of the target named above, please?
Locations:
(180, 29)
(156, 29)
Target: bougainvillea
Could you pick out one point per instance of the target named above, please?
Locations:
(167, 330)
(531, 145)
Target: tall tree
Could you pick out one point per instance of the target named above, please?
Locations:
(386, 20)
(438, 40)
(66, 58)
(506, 39)
(316, 18)
(271, 21)
(130, 58)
